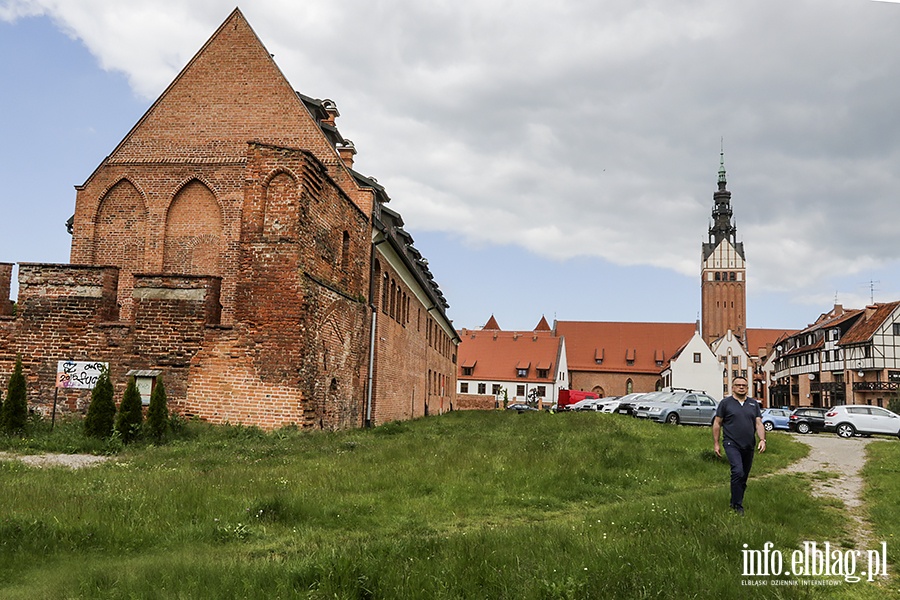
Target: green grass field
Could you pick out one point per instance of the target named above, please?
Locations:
(466, 505)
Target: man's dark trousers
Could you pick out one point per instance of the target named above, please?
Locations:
(741, 459)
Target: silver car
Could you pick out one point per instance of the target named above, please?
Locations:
(688, 408)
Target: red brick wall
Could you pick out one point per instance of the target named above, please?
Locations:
(415, 359)
(613, 384)
(475, 402)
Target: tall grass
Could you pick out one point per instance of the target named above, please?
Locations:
(466, 505)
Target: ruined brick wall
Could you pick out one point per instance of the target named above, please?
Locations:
(415, 359)
(66, 312)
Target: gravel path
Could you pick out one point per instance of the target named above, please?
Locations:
(843, 460)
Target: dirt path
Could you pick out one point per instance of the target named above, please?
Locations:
(842, 460)
(73, 461)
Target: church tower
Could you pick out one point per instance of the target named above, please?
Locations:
(723, 271)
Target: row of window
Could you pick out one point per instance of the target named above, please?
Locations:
(496, 389)
(396, 303)
(725, 276)
(437, 383)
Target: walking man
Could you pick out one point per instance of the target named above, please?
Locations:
(740, 418)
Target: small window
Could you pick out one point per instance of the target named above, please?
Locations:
(735, 360)
(482, 388)
(495, 389)
(520, 390)
(464, 388)
(697, 357)
(543, 373)
(521, 372)
(896, 328)
(541, 391)
(467, 371)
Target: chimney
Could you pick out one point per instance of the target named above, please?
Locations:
(347, 150)
(330, 108)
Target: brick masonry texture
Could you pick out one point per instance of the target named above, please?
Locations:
(225, 243)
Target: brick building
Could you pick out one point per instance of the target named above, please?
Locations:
(723, 272)
(228, 242)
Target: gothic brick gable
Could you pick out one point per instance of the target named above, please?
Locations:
(231, 92)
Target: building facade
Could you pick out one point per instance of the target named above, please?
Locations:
(694, 366)
(845, 357)
(228, 242)
(499, 367)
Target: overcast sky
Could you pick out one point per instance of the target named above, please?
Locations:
(554, 158)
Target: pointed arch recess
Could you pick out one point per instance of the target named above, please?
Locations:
(194, 242)
(121, 227)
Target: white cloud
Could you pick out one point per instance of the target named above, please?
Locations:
(583, 129)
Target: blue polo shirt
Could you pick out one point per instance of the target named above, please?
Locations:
(739, 422)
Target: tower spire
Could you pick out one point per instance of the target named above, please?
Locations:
(722, 181)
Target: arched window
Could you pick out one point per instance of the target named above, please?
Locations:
(393, 298)
(629, 387)
(345, 251)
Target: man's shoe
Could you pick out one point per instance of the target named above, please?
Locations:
(738, 510)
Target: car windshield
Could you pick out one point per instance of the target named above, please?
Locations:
(667, 399)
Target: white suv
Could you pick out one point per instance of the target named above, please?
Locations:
(851, 419)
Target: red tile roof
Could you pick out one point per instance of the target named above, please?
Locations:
(874, 317)
(646, 343)
(491, 324)
(500, 353)
(542, 325)
(765, 338)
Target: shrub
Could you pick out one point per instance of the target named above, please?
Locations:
(101, 412)
(128, 422)
(158, 411)
(14, 412)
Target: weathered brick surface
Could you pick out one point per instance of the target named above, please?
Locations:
(476, 402)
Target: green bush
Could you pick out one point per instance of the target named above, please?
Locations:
(128, 422)
(101, 414)
(14, 412)
(158, 411)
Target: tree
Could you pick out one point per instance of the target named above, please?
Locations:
(158, 411)
(894, 403)
(128, 422)
(101, 414)
(14, 412)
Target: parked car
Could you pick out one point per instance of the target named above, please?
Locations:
(520, 407)
(689, 408)
(853, 419)
(623, 402)
(776, 418)
(808, 420)
(630, 406)
(595, 404)
(586, 404)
